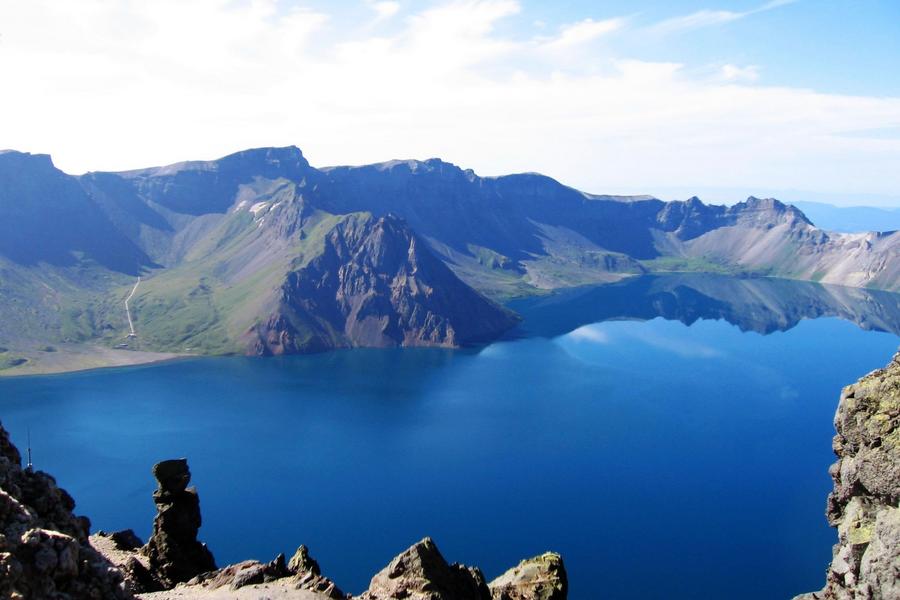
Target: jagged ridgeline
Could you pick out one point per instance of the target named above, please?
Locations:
(260, 253)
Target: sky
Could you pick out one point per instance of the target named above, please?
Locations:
(794, 98)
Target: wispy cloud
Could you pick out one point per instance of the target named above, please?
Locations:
(582, 32)
(384, 9)
(708, 18)
(737, 73)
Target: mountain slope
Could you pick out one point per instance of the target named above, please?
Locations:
(260, 252)
(769, 237)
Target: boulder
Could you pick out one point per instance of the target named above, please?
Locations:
(539, 578)
(421, 573)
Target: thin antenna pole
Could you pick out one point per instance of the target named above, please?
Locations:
(29, 466)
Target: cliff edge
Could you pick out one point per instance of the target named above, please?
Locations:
(863, 506)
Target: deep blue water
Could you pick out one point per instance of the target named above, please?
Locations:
(663, 460)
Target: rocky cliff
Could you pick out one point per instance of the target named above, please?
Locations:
(376, 284)
(863, 506)
(44, 548)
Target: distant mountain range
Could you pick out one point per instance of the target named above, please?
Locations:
(851, 219)
(261, 253)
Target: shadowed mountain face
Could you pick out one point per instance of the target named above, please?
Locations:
(47, 217)
(260, 252)
(375, 284)
(763, 305)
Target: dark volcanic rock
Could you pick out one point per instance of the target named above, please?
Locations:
(864, 503)
(377, 285)
(539, 578)
(44, 548)
(421, 573)
(174, 552)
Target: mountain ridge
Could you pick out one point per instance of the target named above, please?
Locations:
(216, 241)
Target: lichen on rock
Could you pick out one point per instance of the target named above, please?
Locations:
(863, 505)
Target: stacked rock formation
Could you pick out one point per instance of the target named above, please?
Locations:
(864, 503)
(44, 549)
(174, 553)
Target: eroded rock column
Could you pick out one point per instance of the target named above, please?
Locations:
(174, 552)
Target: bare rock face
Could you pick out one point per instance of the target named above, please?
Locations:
(864, 503)
(376, 284)
(421, 573)
(539, 578)
(173, 550)
(44, 548)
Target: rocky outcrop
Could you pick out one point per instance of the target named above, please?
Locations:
(174, 553)
(301, 573)
(540, 578)
(376, 284)
(44, 548)
(863, 506)
(421, 573)
(45, 553)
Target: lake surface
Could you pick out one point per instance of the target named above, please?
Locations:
(669, 436)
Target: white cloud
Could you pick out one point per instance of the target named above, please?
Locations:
(109, 85)
(736, 73)
(708, 18)
(384, 10)
(582, 32)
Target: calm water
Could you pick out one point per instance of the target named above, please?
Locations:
(663, 460)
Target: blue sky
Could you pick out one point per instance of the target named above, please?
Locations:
(799, 99)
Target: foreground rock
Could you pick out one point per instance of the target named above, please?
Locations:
(44, 549)
(421, 573)
(174, 553)
(45, 552)
(540, 578)
(301, 573)
(864, 503)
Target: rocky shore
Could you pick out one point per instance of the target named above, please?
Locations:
(863, 506)
(46, 553)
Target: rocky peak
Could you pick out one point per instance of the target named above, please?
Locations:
(540, 578)
(35, 163)
(421, 573)
(201, 187)
(769, 211)
(689, 218)
(863, 505)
